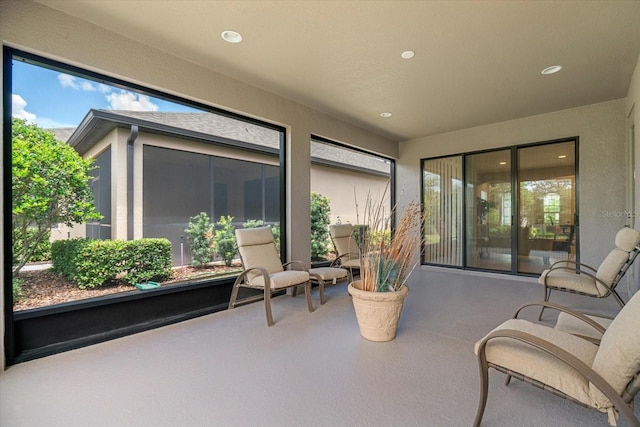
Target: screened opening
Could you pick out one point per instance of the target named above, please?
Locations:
(158, 163)
(341, 180)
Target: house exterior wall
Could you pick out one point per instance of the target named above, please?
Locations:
(602, 164)
(344, 188)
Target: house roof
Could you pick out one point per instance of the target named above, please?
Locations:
(208, 128)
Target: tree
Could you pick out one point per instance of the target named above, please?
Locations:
(50, 185)
(224, 240)
(320, 221)
(200, 237)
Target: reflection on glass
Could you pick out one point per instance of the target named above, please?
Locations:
(488, 210)
(546, 208)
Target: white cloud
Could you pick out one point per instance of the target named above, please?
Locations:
(104, 88)
(130, 101)
(18, 105)
(78, 84)
(87, 86)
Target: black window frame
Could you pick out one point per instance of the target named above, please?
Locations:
(44, 331)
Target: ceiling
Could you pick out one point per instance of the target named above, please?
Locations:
(476, 62)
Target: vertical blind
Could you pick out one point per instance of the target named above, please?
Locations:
(442, 200)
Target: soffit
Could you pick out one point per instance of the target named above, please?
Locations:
(477, 62)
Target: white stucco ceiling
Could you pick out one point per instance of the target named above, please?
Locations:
(476, 62)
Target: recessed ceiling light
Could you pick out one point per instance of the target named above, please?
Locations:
(386, 114)
(231, 36)
(408, 54)
(551, 70)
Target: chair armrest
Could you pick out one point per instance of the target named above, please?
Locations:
(564, 265)
(565, 357)
(598, 327)
(262, 270)
(294, 263)
(351, 255)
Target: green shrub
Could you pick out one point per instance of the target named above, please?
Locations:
(91, 263)
(17, 289)
(200, 238)
(320, 221)
(224, 239)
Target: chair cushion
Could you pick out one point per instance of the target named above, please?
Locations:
(282, 279)
(257, 249)
(627, 239)
(569, 279)
(540, 366)
(571, 325)
(328, 273)
(341, 230)
(611, 266)
(618, 358)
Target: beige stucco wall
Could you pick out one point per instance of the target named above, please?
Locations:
(632, 114)
(344, 188)
(602, 162)
(35, 28)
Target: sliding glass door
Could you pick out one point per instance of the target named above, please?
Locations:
(509, 210)
(488, 210)
(546, 205)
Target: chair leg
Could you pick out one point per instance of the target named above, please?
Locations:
(321, 290)
(307, 294)
(234, 295)
(484, 389)
(267, 306)
(507, 380)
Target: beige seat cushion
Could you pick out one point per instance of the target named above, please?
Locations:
(329, 273)
(568, 279)
(618, 358)
(282, 279)
(571, 325)
(540, 366)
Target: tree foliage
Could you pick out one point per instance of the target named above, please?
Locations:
(320, 221)
(200, 238)
(50, 185)
(224, 240)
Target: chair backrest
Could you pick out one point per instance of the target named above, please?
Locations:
(257, 248)
(343, 241)
(618, 356)
(616, 264)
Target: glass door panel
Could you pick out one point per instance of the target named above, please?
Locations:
(488, 210)
(547, 229)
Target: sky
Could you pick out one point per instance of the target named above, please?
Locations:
(52, 99)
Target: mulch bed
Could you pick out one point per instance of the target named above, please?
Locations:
(43, 287)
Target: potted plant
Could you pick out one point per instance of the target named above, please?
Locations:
(378, 297)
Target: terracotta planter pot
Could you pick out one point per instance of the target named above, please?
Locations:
(378, 313)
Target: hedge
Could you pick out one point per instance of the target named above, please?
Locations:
(91, 263)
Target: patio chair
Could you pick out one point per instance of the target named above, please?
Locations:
(602, 374)
(570, 276)
(264, 270)
(347, 251)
